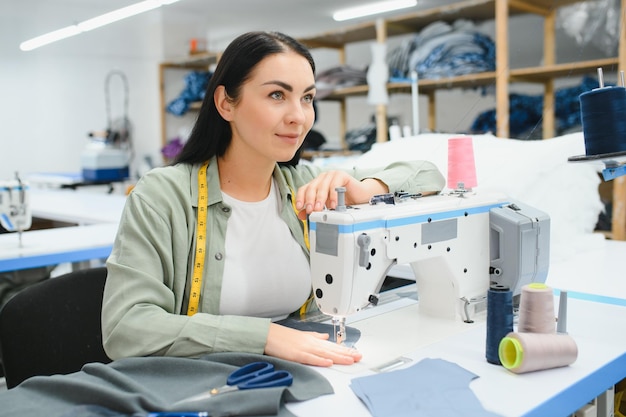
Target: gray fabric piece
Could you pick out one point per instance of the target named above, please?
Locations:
(136, 386)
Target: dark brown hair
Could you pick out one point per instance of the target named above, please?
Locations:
(211, 134)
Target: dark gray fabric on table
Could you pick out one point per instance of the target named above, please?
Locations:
(136, 386)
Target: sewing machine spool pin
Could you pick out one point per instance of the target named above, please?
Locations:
(341, 198)
(460, 189)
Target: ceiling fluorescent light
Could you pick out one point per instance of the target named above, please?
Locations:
(372, 9)
(96, 22)
(119, 14)
(50, 37)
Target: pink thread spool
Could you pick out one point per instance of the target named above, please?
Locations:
(461, 165)
(527, 352)
(536, 309)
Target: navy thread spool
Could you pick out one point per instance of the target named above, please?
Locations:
(499, 319)
(603, 115)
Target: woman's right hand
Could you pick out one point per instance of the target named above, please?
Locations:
(308, 348)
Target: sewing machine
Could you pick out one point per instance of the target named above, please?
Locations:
(456, 245)
(15, 214)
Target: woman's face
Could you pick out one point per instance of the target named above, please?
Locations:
(275, 109)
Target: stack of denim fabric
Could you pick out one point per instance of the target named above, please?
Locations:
(442, 50)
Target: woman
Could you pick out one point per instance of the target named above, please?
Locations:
(168, 295)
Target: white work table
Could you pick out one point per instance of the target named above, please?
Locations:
(596, 274)
(95, 215)
(596, 320)
(76, 207)
(56, 246)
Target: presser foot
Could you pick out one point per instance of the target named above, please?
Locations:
(339, 329)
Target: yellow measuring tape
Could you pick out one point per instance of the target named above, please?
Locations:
(198, 266)
(304, 224)
(305, 306)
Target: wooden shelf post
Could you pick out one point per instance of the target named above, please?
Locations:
(381, 109)
(502, 68)
(618, 221)
(549, 58)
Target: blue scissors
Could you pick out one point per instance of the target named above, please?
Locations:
(251, 376)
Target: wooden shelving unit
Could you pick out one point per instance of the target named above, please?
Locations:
(476, 10)
(197, 62)
(482, 10)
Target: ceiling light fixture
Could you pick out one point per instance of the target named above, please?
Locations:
(372, 9)
(96, 22)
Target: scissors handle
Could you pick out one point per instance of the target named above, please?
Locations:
(268, 380)
(249, 371)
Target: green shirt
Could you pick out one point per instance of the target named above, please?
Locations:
(151, 264)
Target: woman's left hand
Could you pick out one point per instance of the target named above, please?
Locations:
(309, 348)
(320, 192)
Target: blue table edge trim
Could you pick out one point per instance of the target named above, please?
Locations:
(603, 299)
(573, 398)
(569, 401)
(27, 262)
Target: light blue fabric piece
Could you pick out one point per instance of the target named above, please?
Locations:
(430, 388)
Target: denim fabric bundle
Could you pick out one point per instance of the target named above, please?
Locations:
(341, 76)
(195, 86)
(526, 112)
(441, 50)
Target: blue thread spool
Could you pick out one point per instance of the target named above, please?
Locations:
(499, 319)
(603, 115)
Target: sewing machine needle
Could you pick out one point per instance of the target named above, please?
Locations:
(340, 334)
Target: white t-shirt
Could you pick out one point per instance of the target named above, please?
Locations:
(271, 279)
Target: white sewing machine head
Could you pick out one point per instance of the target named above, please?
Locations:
(456, 246)
(15, 212)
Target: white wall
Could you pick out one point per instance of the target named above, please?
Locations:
(53, 96)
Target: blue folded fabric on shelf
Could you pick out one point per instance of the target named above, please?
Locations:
(430, 388)
(526, 112)
(443, 50)
(195, 86)
(338, 77)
